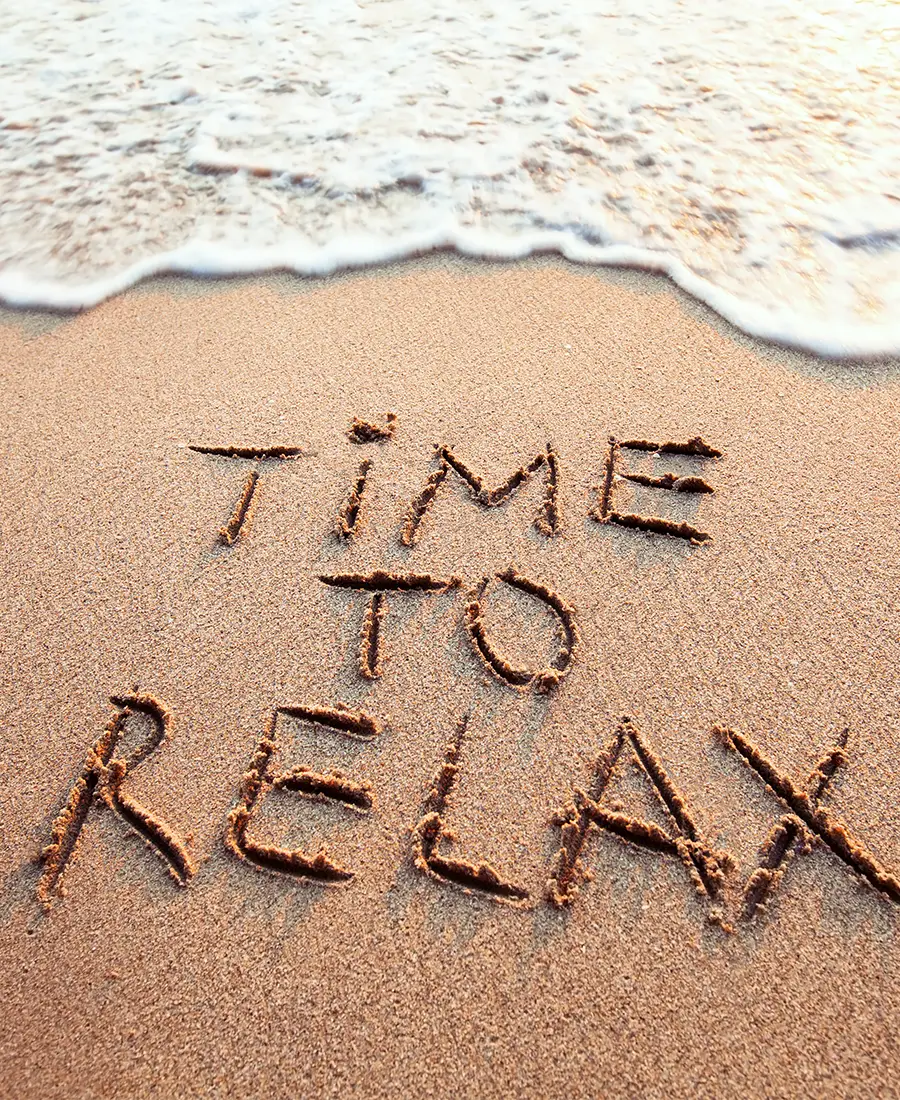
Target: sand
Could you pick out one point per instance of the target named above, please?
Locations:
(387, 833)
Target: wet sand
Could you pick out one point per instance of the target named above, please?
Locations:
(254, 890)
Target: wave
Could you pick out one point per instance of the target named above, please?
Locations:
(211, 260)
(751, 156)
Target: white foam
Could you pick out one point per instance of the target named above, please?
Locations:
(752, 158)
(208, 259)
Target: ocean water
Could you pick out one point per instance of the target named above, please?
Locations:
(750, 151)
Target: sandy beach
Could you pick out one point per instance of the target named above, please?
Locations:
(321, 729)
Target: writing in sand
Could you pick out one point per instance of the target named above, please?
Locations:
(801, 823)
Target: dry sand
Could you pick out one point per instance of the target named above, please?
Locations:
(399, 981)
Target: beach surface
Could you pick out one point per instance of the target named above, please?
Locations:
(389, 833)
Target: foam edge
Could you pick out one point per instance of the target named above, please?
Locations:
(206, 259)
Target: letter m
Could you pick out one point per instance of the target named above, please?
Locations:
(546, 520)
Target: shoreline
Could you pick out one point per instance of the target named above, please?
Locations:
(203, 261)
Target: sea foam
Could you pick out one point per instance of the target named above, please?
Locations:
(754, 158)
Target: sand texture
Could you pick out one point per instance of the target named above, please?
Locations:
(539, 738)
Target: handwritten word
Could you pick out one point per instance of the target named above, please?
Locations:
(350, 520)
(709, 870)
(379, 582)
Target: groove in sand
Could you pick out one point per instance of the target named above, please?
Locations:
(103, 776)
(431, 829)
